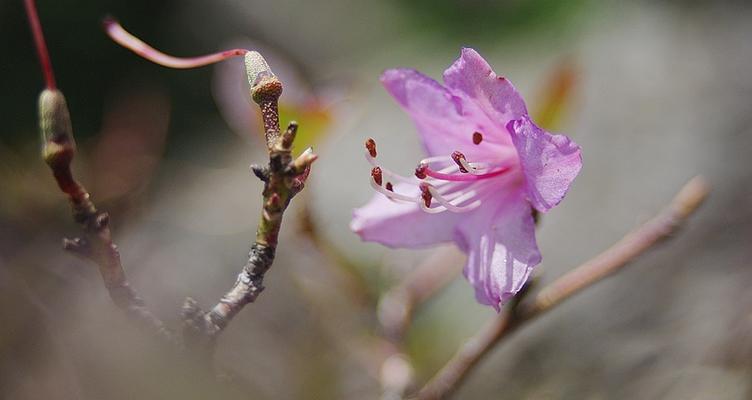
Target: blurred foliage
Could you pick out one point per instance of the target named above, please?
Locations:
(313, 119)
(489, 19)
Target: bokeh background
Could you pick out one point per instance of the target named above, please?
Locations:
(654, 92)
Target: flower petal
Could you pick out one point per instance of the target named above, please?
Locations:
(401, 224)
(471, 78)
(550, 162)
(500, 242)
(446, 122)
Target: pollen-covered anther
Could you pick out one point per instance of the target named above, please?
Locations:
(461, 161)
(389, 187)
(425, 194)
(371, 147)
(477, 138)
(377, 175)
(421, 171)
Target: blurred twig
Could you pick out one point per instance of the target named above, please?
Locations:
(397, 305)
(635, 243)
(345, 272)
(395, 313)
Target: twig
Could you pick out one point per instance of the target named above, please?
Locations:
(96, 243)
(58, 151)
(395, 312)
(398, 304)
(283, 178)
(637, 242)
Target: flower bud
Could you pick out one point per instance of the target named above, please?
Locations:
(264, 84)
(58, 145)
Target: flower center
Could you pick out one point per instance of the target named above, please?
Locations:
(444, 183)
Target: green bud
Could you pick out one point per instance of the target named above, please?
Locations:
(58, 145)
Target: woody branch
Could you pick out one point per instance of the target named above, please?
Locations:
(607, 263)
(283, 178)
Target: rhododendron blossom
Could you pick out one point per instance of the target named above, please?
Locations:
(488, 167)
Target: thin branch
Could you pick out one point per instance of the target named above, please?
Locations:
(395, 313)
(396, 306)
(634, 244)
(283, 179)
(58, 150)
(96, 244)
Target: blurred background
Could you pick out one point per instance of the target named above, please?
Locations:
(654, 92)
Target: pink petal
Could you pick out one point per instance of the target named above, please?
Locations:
(401, 224)
(550, 162)
(500, 242)
(471, 78)
(445, 122)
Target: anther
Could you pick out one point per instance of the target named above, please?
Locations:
(477, 138)
(389, 186)
(371, 147)
(425, 194)
(420, 171)
(460, 160)
(377, 175)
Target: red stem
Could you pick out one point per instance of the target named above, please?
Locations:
(44, 56)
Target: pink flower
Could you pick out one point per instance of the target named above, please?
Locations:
(488, 166)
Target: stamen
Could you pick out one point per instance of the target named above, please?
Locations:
(464, 177)
(460, 160)
(392, 195)
(376, 175)
(466, 167)
(458, 200)
(387, 172)
(420, 171)
(425, 194)
(371, 147)
(127, 40)
(477, 138)
(389, 186)
(430, 160)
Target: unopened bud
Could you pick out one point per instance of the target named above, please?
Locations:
(264, 84)
(289, 136)
(58, 145)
